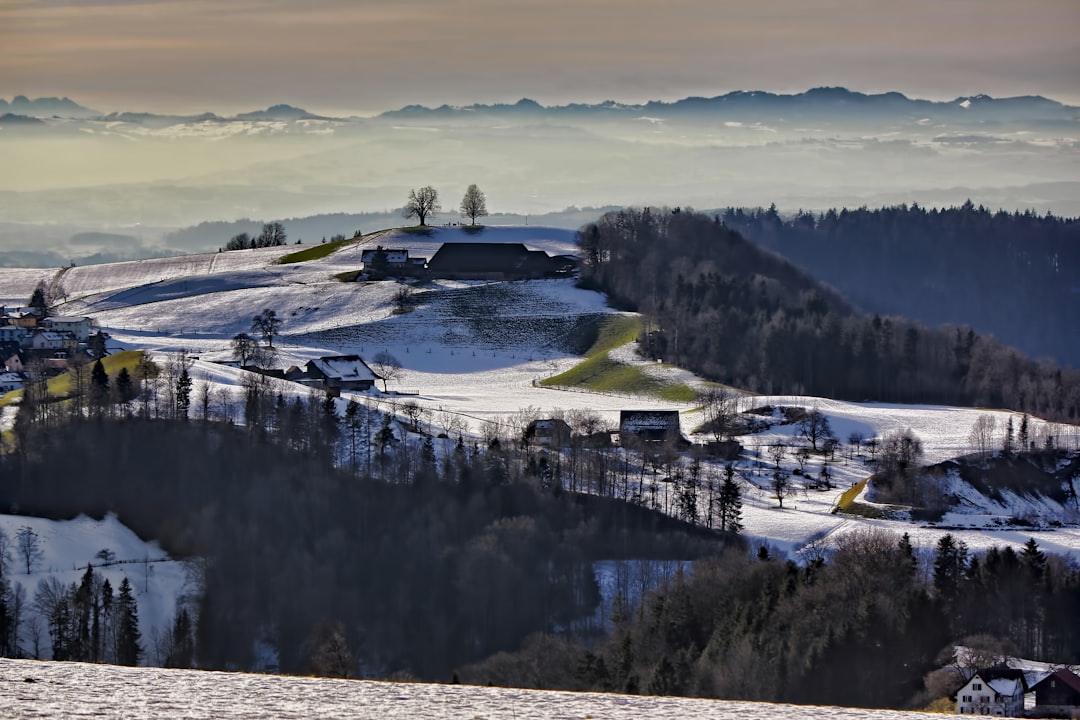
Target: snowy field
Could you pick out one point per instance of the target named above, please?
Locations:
(478, 350)
(32, 689)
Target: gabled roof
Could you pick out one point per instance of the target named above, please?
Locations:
(1066, 677)
(1006, 687)
(474, 257)
(1003, 676)
(347, 368)
(66, 319)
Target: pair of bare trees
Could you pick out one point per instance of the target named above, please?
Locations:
(424, 203)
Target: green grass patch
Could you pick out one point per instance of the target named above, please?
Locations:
(870, 512)
(472, 229)
(616, 331)
(347, 276)
(600, 373)
(60, 386)
(314, 252)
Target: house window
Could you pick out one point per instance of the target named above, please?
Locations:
(976, 686)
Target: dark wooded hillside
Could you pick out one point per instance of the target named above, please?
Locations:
(1012, 275)
(736, 313)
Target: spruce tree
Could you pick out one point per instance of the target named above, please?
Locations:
(128, 650)
(729, 504)
(99, 386)
(183, 394)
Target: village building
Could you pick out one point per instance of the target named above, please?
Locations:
(552, 433)
(13, 333)
(79, 327)
(10, 381)
(652, 426)
(1057, 695)
(993, 691)
(12, 358)
(48, 340)
(25, 318)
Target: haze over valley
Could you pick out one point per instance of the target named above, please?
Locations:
(82, 186)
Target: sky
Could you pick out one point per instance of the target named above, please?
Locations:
(367, 56)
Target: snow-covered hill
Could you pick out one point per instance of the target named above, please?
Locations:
(68, 546)
(52, 691)
(478, 349)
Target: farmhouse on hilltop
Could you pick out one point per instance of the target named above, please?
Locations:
(340, 372)
(496, 261)
(391, 261)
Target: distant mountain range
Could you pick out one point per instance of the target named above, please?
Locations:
(46, 107)
(739, 106)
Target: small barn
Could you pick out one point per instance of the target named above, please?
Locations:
(345, 372)
(1057, 695)
(654, 426)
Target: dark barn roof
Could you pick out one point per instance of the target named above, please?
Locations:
(511, 259)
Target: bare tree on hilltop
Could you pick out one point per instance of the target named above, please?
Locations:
(474, 204)
(268, 324)
(422, 203)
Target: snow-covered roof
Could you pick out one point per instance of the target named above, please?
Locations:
(640, 420)
(348, 368)
(1006, 686)
(393, 256)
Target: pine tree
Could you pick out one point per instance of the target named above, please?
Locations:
(128, 650)
(950, 567)
(183, 394)
(729, 503)
(99, 386)
(125, 387)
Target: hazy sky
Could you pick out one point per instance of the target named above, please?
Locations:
(373, 55)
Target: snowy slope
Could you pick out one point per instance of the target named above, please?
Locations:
(67, 546)
(53, 691)
(478, 349)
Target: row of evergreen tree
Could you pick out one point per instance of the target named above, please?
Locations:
(86, 622)
(741, 315)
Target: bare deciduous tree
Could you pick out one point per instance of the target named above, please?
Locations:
(422, 204)
(243, 348)
(721, 409)
(815, 427)
(268, 324)
(387, 367)
(474, 204)
(28, 547)
(982, 433)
